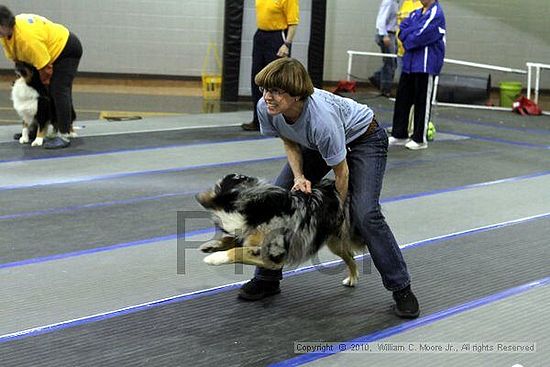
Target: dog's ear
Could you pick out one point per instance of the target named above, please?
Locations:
(206, 199)
(231, 181)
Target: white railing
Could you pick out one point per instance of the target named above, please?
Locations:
(530, 65)
(538, 67)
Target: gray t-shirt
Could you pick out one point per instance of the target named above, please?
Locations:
(328, 122)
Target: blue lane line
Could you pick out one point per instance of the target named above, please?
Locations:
(478, 123)
(420, 322)
(430, 241)
(96, 250)
(179, 169)
(66, 255)
(500, 127)
(109, 315)
(466, 187)
(144, 149)
(208, 292)
(133, 174)
(139, 199)
(104, 204)
(499, 140)
(211, 230)
(208, 230)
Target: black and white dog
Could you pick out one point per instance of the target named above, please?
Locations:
(32, 102)
(268, 226)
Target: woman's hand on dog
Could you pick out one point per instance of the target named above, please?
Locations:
(46, 74)
(302, 184)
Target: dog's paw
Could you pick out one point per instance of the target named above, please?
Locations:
(23, 140)
(37, 142)
(217, 258)
(350, 281)
(210, 246)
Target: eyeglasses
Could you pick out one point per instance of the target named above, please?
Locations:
(275, 92)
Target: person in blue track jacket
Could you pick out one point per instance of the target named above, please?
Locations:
(423, 37)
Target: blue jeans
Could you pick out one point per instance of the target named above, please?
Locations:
(366, 159)
(386, 73)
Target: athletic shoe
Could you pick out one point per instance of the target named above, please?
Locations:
(257, 289)
(413, 145)
(374, 81)
(56, 143)
(251, 126)
(406, 304)
(395, 141)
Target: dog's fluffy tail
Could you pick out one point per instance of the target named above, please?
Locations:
(357, 244)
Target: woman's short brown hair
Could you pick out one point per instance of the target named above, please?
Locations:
(287, 74)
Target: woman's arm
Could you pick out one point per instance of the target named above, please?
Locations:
(294, 156)
(341, 173)
(284, 50)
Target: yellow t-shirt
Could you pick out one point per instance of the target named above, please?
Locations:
(274, 15)
(35, 40)
(407, 7)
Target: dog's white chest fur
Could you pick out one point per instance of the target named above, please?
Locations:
(232, 223)
(25, 100)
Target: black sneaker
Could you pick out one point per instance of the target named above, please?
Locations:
(406, 304)
(374, 81)
(257, 289)
(56, 143)
(251, 126)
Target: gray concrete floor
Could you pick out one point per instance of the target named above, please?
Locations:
(97, 98)
(91, 230)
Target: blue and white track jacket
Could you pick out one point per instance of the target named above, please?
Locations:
(423, 36)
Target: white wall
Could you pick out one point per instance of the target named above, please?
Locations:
(350, 26)
(170, 37)
(164, 37)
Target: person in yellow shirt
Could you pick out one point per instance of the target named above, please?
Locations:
(55, 52)
(277, 21)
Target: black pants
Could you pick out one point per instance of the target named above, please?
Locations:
(61, 84)
(264, 50)
(413, 89)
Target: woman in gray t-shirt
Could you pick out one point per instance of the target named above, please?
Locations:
(323, 132)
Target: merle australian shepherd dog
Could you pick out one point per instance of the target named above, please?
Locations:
(31, 101)
(268, 226)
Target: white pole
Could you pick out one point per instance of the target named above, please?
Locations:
(350, 58)
(484, 66)
(529, 76)
(529, 73)
(434, 97)
(537, 84)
